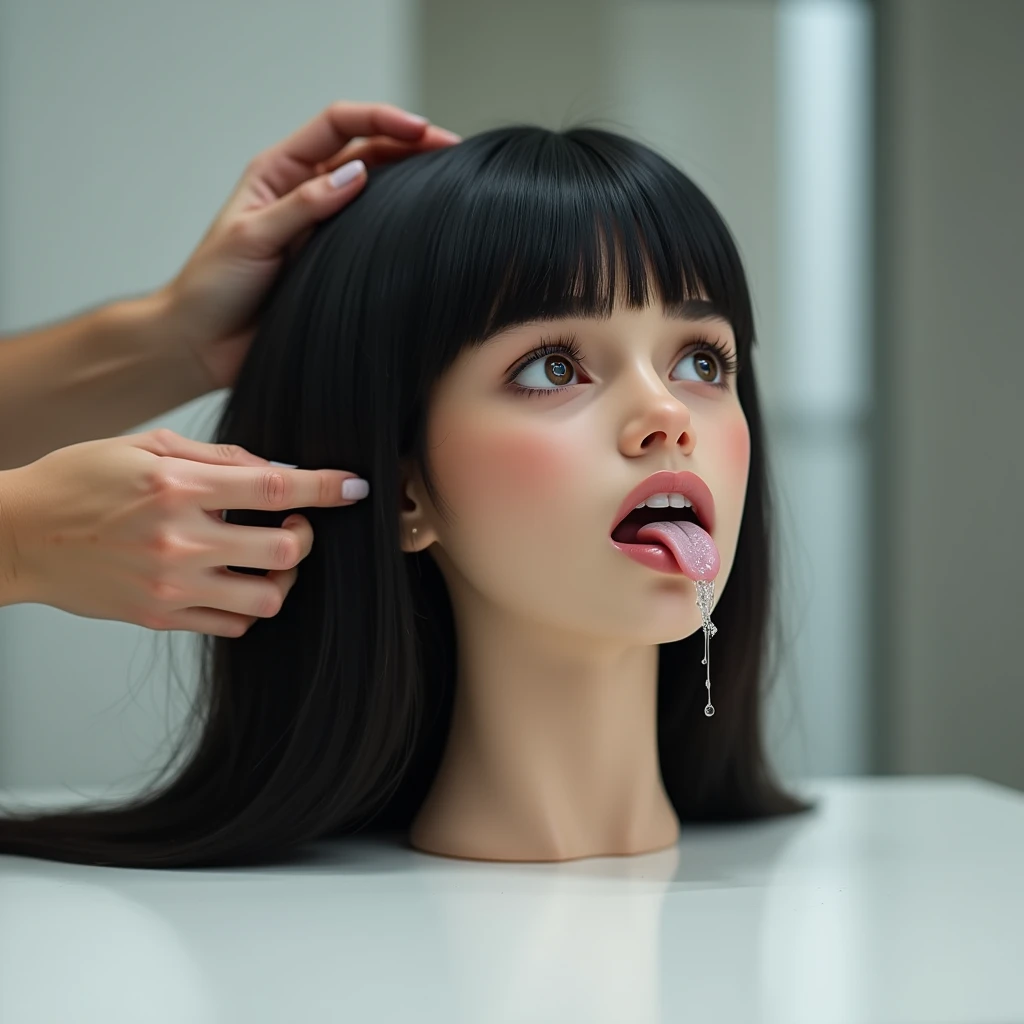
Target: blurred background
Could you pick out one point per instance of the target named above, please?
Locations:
(868, 158)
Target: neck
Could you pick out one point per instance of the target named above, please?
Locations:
(553, 750)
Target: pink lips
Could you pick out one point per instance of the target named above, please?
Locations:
(669, 545)
(665, 482)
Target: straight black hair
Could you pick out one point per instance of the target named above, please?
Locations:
(331, 717)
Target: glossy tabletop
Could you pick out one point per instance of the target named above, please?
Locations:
(897, 900)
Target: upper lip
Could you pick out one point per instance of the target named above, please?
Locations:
(667, 482)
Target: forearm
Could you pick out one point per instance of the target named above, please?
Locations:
(11, 589)
(93, 376)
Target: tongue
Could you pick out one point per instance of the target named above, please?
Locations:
(692, 547)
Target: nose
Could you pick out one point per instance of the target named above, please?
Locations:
(661, 419)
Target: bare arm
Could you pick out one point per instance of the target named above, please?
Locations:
(113, 368)
(9, 589)
(92, 376)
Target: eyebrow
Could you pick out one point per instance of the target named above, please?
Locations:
(694, 310)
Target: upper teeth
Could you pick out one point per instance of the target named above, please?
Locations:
(664, 500)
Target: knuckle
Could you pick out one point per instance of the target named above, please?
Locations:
(163, 591)
(229, 452)
(257, 164)
(163, 546)
(160, 484)
(241, 231)
(270, 604)
(163, 436)
(286, 552)
(272, 489)
(329, 489)
(162, 542)
(309, 194)
(154, 620)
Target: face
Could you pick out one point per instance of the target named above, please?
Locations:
(535, 453)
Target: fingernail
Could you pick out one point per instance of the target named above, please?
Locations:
(418, 118)
(346, 172)
(285, 465)
(450, 135)
(355, 487)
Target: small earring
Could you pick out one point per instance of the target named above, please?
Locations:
(705, 599)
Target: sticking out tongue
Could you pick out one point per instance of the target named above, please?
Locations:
(692, 547)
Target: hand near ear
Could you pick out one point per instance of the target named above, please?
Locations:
(130, 528)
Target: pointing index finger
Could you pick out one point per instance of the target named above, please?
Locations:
(274, 488)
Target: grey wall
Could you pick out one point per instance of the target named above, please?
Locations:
(950, 367)
(123, 127)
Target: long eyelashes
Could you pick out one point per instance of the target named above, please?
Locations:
(569, 345)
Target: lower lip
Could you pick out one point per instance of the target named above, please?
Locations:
(654, 556)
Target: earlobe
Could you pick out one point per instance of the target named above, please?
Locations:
(411, 539)
(417, 538)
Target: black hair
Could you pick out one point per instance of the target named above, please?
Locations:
(332, 716)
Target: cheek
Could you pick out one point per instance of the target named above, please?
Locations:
(736, 447)
(734, 455)
(532, 463)
(504, 471)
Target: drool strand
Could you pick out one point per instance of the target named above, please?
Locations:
(705, 599)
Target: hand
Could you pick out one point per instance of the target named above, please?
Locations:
(130, 528)
(283, 193)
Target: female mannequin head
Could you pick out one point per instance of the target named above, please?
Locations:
(393, 347)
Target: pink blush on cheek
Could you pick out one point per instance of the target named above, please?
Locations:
(528, 463)
(505, 479)
(736, 444)
(506, 472)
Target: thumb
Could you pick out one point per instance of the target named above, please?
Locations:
(276, 225)
(162, 441)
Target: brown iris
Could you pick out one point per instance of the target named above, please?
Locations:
(704, 361)
(557, 370)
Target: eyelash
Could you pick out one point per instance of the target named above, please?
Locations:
(569, 345)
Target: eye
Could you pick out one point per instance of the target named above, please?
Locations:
(552, 363)
(706, 365)
(553, 369)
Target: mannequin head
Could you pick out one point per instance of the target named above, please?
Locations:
(534, 470)
(391, 347)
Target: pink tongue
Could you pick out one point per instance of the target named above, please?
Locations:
(692, 547)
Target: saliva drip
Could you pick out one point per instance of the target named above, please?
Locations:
(705, 599)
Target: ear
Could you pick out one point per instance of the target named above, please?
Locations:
(412, 512)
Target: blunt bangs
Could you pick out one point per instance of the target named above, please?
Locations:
(523, 225)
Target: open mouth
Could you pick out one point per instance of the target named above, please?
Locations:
(626, 531)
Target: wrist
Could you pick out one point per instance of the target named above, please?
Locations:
(14, 583)
(154, 327)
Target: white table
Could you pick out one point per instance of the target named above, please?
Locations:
(900, 899)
